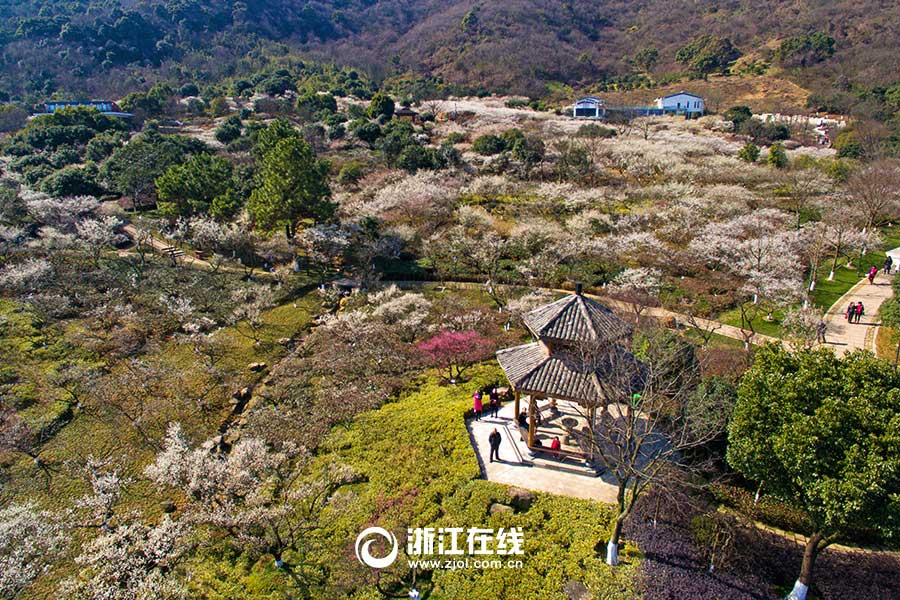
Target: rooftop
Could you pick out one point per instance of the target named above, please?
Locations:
(533, 369)
(575, 318)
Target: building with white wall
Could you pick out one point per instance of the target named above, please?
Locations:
(589, 107)
(681, 103)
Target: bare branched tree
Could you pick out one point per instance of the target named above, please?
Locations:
(654, 415)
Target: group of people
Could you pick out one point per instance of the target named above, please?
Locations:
(478, 403)
(855, 312)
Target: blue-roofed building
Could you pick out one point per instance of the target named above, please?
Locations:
(589, 108)
(106, 107)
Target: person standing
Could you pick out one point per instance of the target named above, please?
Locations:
(860, 311)
(494, 407)
(888, 263)
(851, 312)
(821, 328)
(872, 273)
(476, 404)
(494, 441)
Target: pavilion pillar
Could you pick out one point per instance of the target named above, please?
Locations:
(516, 406)
(532, 405)
(591, 424)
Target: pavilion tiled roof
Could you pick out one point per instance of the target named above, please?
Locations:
(575, 318)
(531, 368)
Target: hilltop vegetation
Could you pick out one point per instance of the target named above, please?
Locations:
(843, 52)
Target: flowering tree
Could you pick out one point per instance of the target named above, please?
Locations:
(426, 198)
(97, 235)
(130, 561)
(639, 287)
(26, 275)
(59, 212)
(475, 245)
(761, 250)
(407, 313)
(253, 494)
(30, 541)
(251, 303)
(801, 325)
(455, 351)
(324, 245)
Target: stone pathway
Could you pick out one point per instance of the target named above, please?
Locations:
(844, 337)
(517, 468)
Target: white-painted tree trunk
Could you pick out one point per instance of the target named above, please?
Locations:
(799, 591)
(831, 276)
(612, 553)
(812, 285)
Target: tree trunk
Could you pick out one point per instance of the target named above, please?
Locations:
(810, 553)
(612, 547)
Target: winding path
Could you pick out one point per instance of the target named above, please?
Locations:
(656, 312)
(663, 314)
(844, 337)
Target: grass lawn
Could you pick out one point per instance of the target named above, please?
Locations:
(760, 325)
(886, 343)
(829, 292)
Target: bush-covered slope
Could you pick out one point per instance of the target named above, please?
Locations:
(514, 45)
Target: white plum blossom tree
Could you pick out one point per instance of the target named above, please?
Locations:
(764, 252)
(407, 312)
(96, 235)
(59, 212)
(31, 540)
(323, 245)
(256, 495)
(131, 561)
(251, 301)
(638, 286)
(25, 276)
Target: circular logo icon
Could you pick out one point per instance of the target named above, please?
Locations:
(364, 543)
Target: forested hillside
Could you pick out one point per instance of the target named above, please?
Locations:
(842, 51)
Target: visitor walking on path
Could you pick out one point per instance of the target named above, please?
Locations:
(851, 312)
(872, 273)
(888, 263)
(476, 404)
(494, 441)
(821, 328)
(844, 338)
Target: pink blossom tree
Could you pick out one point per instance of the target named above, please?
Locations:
(455, 351)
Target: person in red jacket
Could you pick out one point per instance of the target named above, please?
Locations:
(555, 445)
(476, 404)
